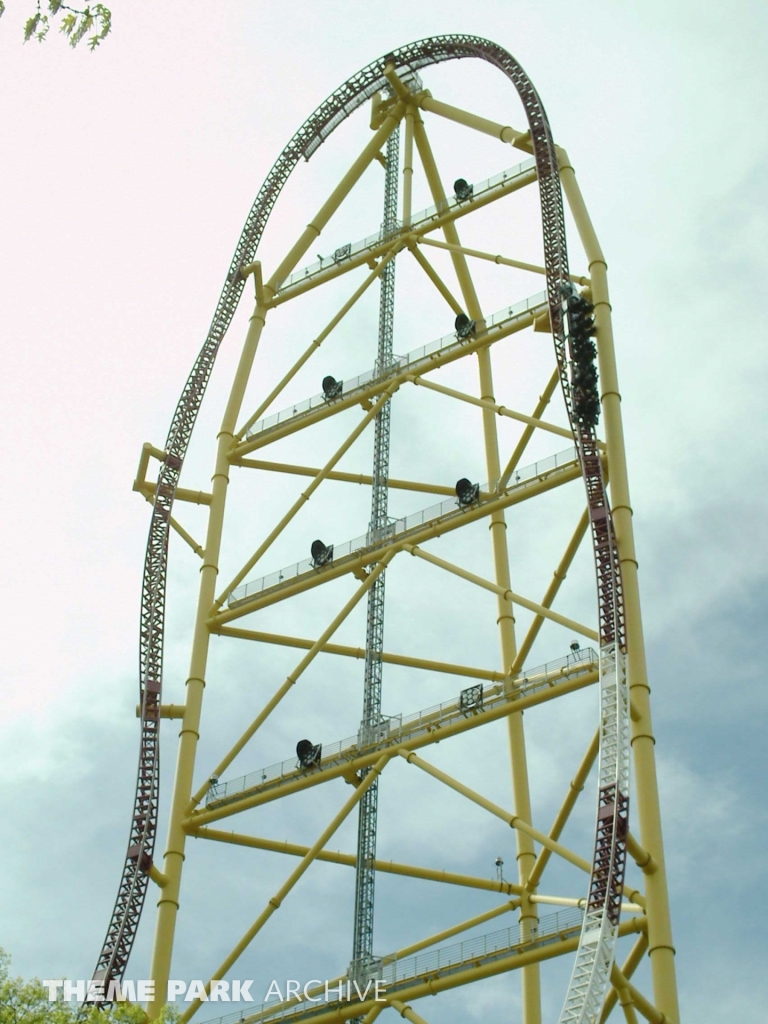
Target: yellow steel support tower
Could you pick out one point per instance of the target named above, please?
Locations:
(536, 432)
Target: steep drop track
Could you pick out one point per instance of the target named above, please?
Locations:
(610, 852)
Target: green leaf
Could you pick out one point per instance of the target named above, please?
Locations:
(54, 6)
(68, 24)
(31, 27)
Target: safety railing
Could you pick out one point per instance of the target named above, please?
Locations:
(395, 729)
(394, 973)
(411, 361)
(399, 529)
(418, 221)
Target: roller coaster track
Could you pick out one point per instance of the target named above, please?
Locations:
(595, 952)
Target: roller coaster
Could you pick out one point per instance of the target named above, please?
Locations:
(575, 310)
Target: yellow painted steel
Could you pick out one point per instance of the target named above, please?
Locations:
(504, 683)
(506, 620)
(503, 261)
(432, 986)
(313, 230)
(513, 705)
(305, 496)
(294, 676)
(513, 820)
(448, 216)
(389, 867)
(188, 539)
(527, 434)
(276, 901)
(480, 124)
(576, 786)
(436, 280)
(377, 386)
(559, 575)
(545, 482)
(168, 904)
(500, 410)
(661, 948)
(628, 968)
(505, 593)
(315, 345)
(404, 660)
(406, 1011)
(350, 478)
(408, 167)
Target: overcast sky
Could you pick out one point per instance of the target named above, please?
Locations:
(126, 178)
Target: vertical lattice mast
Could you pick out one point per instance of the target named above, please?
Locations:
(365, 882)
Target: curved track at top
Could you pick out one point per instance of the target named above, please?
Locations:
(610, 847)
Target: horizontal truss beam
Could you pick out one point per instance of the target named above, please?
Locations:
(521, 322)
(505, 261)
(276, 901)
(389, 867)
(294, 676)
(359, 652)
(357, 564)
(356, 764)
(435, 983)
(484, 403)
(408, 238)
(513, 820)
(508, 595)
(349, 478)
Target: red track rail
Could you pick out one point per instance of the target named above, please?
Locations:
(351, 95)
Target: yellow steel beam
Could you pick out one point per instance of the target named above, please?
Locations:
(406, 1011)
(448, 933)
(513, 820)
(148, 489)
(334, 201)
(359, 652)
(483, 403)
(572, 901)
(576, 786)
(186, 537)
(388, 867)
(648, 1010)
(570, 685)
(166, 710)
(527, 434)
(431, 985)
(559, 575)
(508, 595)
(355, 564)
(258, 279)
(504, 261)
(315, 345)
(294, 676)
(641, 857)
(350, 478)
(378, 385)
(521, 140)
(408, 167)
(498, 530)
(634, 959)
(661, 947)
(168, 903)
(398, 85)
(304, 497)
(276, 901)
(436, 280)
(147, 451)
(434, 223)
